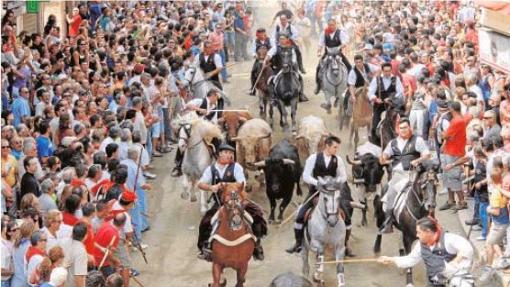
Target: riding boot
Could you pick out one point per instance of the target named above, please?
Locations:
(348, 251)
(317, 80)
(258, 252)
(298, 234)
(206, 252)
(299, 59)
(302, 96)
(179, 157)
(388, 223)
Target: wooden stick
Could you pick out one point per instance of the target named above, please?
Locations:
(349, 261)
(106, 252)
(296, 211)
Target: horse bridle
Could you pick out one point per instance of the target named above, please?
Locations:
(326, 213)
(340, 65)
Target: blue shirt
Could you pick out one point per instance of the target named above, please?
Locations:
(238, 22)
(131, 167)
(44, 147)
(20, 109)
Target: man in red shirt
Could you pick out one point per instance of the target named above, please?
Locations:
(452, 153)
(74, 23)
(107, 240)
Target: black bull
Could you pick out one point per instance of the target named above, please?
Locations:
(367, 174)
(282, 171)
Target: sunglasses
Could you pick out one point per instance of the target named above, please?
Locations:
(5, 146)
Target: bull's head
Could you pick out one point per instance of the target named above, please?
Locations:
(310, 145)
(274, 169)
(367, 170)
(230, 122)
(251, 148)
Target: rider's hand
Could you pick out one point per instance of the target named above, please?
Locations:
(215, 188)
(385, 260)
(448, 167)
(377, 101)
(415, 163)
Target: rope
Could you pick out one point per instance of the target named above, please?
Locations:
(297, 209)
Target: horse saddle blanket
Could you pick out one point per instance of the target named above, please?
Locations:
(214, 236)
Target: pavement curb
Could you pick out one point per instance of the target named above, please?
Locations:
(500, 278)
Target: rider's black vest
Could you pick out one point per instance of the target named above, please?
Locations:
(208, 66)
(360, 81)
(228, 176)
(320, 168)
(435, 259)
(390, 91)
(266, 43)
(407, 155)
(210, 115)
(287, 30)
(333, 40)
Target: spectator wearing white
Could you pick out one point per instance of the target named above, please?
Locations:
(139, 124)
(57, 278)
(76, 256)
(68, 174)
(54, 229)
(471, 84)
(47, 198)
(94, 175)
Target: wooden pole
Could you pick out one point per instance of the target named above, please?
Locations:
(361, 260)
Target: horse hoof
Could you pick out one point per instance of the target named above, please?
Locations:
(184, 195)
(279, 221)
(270, 221)
(224, 282)
(410, 285)
(377, 250)
(316, 278)
(193, 198)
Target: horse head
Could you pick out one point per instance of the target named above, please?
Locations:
(189, 74)
(329, 200)
(232, 198)
(286, 56)
(426, 184)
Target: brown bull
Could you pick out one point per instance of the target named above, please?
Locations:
(253, 142)
(231, 122)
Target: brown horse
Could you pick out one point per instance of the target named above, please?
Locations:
(361, 113)
(263, 73)
(233, 243)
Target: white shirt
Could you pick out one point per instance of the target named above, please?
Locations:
(238, 173)
(128, 227)
(351, 78)
(341, 175)
(196, 103)
(344, 37)
(293, 31)
(274, 49)
(454, 244)
(217, 60)
(373, 92)
(419, 145)
(64, 231)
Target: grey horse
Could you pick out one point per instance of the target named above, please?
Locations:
(334, 79)
(199, 85)
(290, 279)
(325, 228)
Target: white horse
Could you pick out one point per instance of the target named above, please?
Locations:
(326, 228)
(197, 157)
(199, 85)
(334, 79)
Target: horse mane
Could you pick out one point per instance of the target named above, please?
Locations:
(206, 130)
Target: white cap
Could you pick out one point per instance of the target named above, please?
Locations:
(58, 276)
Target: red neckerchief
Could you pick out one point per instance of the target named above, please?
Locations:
(328, 31)
(31, 251)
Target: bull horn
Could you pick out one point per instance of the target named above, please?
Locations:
(299, 137)
(356, 162)
(288, 161)
(242, 119)
(261, 163)
(235, 139)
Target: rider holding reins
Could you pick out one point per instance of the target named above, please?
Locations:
(332, 37)
(320, 164)
(405, 152)
(225, 170)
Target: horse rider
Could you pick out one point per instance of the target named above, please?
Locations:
(285, 27)
(261, 41)
(382, 89)
(275, 54)
(318, 165)
(331, 37)
(210, 63)
(406, 151)
(448, 257)
(208, 108)
(225, 170)
(359, 76)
